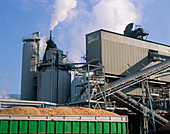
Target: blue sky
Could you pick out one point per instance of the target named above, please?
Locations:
(19, 18)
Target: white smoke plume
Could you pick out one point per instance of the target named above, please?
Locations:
(111, 15)
(61, 10)
(115, 14)
(43, 46)
(3, 93)
(89, 16)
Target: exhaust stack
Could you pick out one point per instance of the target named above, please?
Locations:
(50, 45)
(51, 34)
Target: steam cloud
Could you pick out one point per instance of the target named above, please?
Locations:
(115, 14)
(43, 45)
(111, 15)
(62, 7)
(3, 93)
(89, 16)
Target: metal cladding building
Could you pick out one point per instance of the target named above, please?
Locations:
(122, 55)
(122, 73)
(125, 74)
(53, 80)
(48, 80)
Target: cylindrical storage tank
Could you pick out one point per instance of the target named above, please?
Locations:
(53, 85)
(30, 57)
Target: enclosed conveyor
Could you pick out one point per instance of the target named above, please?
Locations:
(133, 79)
(138, 107)
(123, 83)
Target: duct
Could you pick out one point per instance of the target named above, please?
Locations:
(158, 57)
(93, 61)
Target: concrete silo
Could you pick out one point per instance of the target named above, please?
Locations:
(30, 59)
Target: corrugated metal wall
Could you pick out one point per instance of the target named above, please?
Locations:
(122, 55)
(118, 57)
(93, 49)
(53, 88)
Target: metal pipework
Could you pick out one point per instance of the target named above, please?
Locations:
(36, 33)
(50, 34)
(140, 106)
(158, 57)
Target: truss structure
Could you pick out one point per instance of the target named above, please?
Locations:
(92, 91)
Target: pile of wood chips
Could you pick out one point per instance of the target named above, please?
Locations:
(56, 111)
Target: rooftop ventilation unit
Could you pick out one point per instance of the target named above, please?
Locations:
(137, 33)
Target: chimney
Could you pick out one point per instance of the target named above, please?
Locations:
(50, 34)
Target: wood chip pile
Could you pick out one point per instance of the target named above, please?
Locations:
(55, 111)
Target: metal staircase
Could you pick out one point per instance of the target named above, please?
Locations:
(137, 107)
(132, 79)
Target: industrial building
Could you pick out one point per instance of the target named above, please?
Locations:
(41, 81)
(122, 56)
(122, 73)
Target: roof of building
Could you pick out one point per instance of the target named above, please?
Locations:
(128, 37)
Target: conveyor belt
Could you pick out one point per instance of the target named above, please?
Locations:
(123, 83)
(137, 107)
(133, 79)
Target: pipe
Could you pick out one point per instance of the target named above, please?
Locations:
(50, 34)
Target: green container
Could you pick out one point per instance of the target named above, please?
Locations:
(113, 127)
(99, 127)
(42, 126)
(83, 127)
(67, 127)
(119, 127)
(13, 126)
(32, 126)
(106, 127)
(75, 127)
(59, 127)
(4, 126)
(92, 127)
(23, 126)
(124, 127)
(62, 127)
(50, 126)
